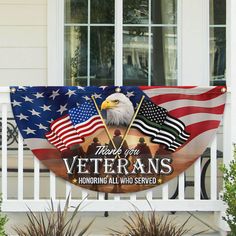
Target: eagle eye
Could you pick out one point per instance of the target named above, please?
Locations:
(116, 101)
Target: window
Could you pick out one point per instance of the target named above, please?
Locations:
(149, 42)
(217, 42)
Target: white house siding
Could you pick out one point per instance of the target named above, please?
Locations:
(23, 42)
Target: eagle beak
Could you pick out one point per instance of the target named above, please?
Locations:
(107, 105)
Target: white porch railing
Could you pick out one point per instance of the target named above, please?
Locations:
(25, 183)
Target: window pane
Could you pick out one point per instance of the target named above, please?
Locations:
(102, 56)
(102, 11)
(135, 53)
(217, 55)
(164, 56)
(76, 11)
(164, 12)
(217, 12)
(135, 11)
(76, 56)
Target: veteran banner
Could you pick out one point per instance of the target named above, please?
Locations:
(118, 139)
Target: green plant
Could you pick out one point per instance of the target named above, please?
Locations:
(138, 223)
(53, 223)
(3, 220)
(229, 194)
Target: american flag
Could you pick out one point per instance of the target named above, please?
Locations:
(35, 108)
(155, 122)
(62, 134)
(86, 119)
(71, 129)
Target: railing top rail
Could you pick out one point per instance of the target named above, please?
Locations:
(5, 89)
(5, 98)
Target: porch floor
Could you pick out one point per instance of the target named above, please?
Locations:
(101, 223)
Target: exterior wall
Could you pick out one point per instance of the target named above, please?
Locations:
(23, 42)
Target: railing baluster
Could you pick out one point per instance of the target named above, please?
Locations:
(101, 196)
(165, 191)
(149, 195)
(52, 186)
(84, 194)
(36, 179)
(117, 197)
(4, 152)
(181, 183)
(227, 134)
(214, 169)
(20, 166)
(133, 196)
(197, 179)
(68, 189)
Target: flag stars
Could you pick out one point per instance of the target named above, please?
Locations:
(87, 98)
(80, 87)
(22, 87)
(50, 121)
(34, 113)
(130, 94)
(46, 108)
(22, 117)
(15, 103)
(27, 99)
(55, 94)
(38, 95)
(71, 92)
(62, 109)
(29, 131)
(103, 87)
(96, 96)
(42, 126)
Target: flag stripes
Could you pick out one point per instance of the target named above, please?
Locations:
(90, 126)
(54, 139)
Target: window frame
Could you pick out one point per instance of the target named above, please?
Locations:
(212, 27)
(185, 70)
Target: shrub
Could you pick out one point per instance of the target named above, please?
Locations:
(229, 194)
(138, 223)
(3, 221)
(53, 223)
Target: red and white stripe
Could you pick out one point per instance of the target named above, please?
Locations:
(54, 140)
(65, 131)
(90, 126)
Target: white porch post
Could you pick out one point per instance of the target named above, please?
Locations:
(231, 103)
(194, 46)
(118, 42)
(231, 59)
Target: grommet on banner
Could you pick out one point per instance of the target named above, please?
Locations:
(223, 90)
(13, 90)
(118, 89)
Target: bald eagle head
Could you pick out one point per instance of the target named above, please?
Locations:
(119, 108)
